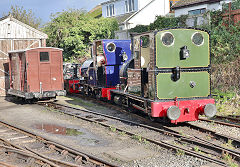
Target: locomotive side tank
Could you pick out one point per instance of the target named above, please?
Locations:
(36, 73)
(171, 75)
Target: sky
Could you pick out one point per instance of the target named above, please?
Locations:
(44, 8)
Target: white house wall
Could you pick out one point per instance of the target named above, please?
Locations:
(143, 3)
(148, 14)
(212, 6)
(184, 11)
(119, 7)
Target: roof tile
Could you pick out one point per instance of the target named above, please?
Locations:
(183, 3)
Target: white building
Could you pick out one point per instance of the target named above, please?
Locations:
(130, 13)
(197, 7)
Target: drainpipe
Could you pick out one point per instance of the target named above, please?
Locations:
(164, 7)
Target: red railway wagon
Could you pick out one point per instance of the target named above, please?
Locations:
(36, 73)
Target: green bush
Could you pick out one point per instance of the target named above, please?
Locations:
(235, 5)
(225, 43)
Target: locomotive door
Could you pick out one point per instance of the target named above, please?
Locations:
(32, 71)
(134, 75)
(45, 71)
(56, 71)
(145, 60)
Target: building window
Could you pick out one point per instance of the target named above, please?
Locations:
(44, 57)
(129, 5)
(197, 12)
(110, 10)
(107, 11)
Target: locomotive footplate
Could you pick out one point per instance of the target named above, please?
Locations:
(177, 110)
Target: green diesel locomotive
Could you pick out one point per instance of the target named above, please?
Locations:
(169, 75)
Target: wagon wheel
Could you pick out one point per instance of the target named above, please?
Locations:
(29, 101)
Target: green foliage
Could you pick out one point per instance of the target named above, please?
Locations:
(229, 144)
(225, 49)
(235, 5)
(137, 137)
(113, 129)
(140, 29)
(225, 44)
(25, 16)
(229, 160)
(161, 23)
(73, 30)
(180, 152)
(196, 149)
(228, 102)
(122, 133)
(223, 97)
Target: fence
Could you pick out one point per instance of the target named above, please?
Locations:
(232, 15)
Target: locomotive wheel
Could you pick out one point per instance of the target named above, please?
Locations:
(98, 95)
(153, 119)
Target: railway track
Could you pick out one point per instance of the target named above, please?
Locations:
(190, 145)
(235, 119)
(222, 137)
(24, 157)
(34, 149)
(226, 121)
(229, 120)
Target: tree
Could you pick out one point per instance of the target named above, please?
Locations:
(73, 30)
(25, 16)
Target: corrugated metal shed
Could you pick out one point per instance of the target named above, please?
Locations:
(15, 35)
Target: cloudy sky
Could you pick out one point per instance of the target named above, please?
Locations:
(44, 8)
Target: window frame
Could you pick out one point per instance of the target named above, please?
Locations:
(110, 10)
(129, 6)
(198, 11)
(107, 10)
(48, 61)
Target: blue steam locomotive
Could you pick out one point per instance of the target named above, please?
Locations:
(101, 73)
